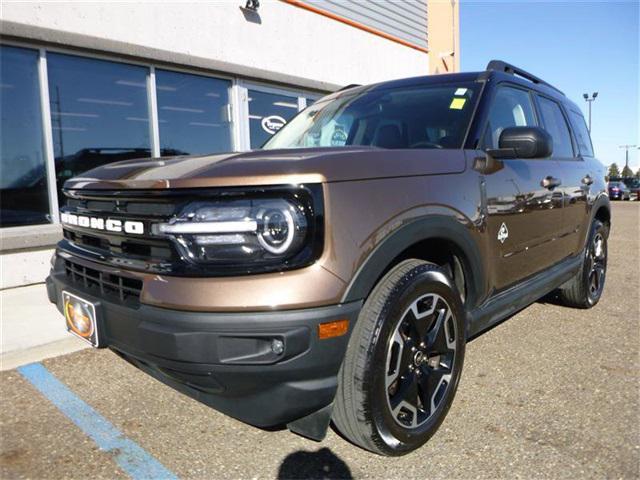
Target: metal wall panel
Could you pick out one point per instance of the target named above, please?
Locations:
(404, 19)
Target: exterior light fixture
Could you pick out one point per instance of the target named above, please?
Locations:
(252, 5)
(589, 101)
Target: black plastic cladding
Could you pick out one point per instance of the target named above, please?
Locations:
(310, 196)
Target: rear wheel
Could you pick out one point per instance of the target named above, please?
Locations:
(585, 289)
(403, 362)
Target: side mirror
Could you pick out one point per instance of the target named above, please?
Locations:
(523, 142)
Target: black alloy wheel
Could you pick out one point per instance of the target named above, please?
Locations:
(420, 360)
(404, 360)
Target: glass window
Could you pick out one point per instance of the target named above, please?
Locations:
(268, 112)
(310, 101)
(511, 107)
(193, 113)
(425, 116)
(555, 123)
(99, 113)
(582, 134)
(23, 178)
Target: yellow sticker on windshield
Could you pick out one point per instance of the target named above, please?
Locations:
(457, 103)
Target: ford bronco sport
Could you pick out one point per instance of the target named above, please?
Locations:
(337, 273)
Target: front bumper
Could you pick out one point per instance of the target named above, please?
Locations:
(225, 360)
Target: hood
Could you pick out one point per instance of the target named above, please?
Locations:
(269, 167)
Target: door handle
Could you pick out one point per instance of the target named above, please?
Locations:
(550, 182)
(587, 180)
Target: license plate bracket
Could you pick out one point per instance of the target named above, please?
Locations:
(81, 318)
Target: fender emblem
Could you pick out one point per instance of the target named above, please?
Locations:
(503, 233)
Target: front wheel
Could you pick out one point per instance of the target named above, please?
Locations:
(404, 361)
(585, 288)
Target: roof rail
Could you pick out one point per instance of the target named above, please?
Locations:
(500, 66)
(347, 87)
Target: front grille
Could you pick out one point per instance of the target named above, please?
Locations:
(108, 285)
(148, 209)
(159, 250)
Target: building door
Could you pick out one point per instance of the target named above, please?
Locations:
(266, 110)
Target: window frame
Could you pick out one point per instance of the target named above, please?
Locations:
(574, 145)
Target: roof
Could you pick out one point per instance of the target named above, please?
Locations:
(497, 70)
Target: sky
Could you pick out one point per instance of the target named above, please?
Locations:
(577, 46)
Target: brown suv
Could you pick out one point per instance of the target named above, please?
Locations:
(337, 273)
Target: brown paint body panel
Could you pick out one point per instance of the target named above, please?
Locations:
(269, 167)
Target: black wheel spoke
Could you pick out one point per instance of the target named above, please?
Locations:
(437, 339)
(419, 326)
(419, 318)
(429, 382)
(407, 392)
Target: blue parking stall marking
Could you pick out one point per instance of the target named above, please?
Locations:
(130, 457)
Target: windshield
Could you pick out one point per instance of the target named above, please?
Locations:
(424, 116)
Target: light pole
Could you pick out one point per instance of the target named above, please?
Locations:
(590, 100)
(626, 153)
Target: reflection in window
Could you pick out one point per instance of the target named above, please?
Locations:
(511, 107)
(268, 112)
(23, 179)
(99, 113)
(193, 113)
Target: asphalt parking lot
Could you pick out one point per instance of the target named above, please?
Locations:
(552, 393)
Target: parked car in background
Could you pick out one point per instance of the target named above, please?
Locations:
(618, 191)
(633, 184)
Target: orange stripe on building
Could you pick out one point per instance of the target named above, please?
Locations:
(352, 23)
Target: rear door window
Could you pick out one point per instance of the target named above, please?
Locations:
(556, 125)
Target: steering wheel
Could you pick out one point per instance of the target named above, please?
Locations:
(425, 144)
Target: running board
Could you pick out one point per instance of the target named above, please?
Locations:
(511, 301)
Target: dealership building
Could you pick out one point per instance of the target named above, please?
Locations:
(86, 83)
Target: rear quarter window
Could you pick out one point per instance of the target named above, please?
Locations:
(582, 134)
(555, 123)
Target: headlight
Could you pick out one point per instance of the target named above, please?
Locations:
(279, 230)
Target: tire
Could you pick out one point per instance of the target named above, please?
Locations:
(585, 288)
(392, 399)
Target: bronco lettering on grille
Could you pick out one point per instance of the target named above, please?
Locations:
(110, 224)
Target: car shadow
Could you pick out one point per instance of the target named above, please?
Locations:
(322, 464)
